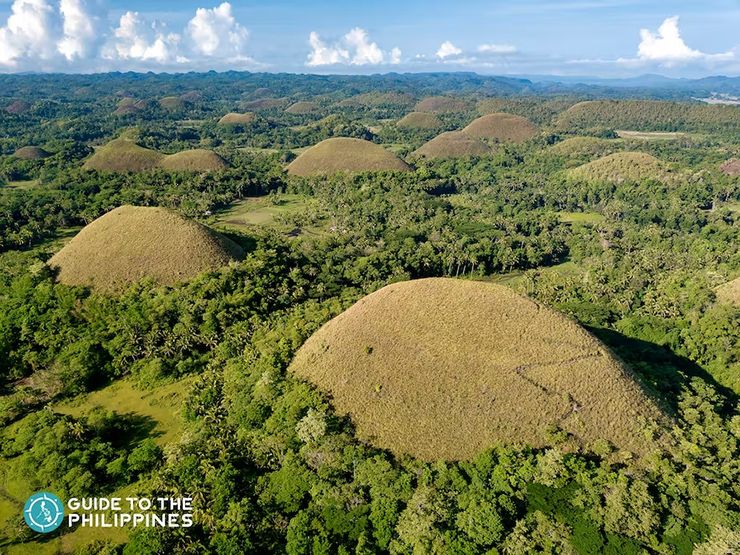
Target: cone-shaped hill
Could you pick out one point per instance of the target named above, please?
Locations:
(420, 120)
(444, 368)
(442, 104)
(342, 154)
(131, 243)
(195, 160)
(303, 108)
(502, 127)
(623, 166)
(453, 144)
(124, 155)
(232, 118)
(31, 153)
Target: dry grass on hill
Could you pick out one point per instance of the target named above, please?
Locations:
(143, 104)
(131, 243)
(195, 160)
(420, 120)
(442, 104)
(31, 153)
(18, 107)
(378, 100)
(586, 146)
(453, 144)
(172, 103)
(192, 96)
(731, 167)
(729, 292)
(443, 368)
(123, 155)
(303, 108)
(623, 166)
(502, 127)
(125, 110)
(264, 104)
(233, 118)
(345, 155)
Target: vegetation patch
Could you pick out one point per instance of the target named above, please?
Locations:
(623, 166)
(232, 118)
(344, 154)
(31, 153)
(378, 100)
(729, 292)
(195, 160)
(457, 366)
(731, 167)
(442, 104)
(420, 120)
(303, 108)
(131, 243)
(453, 144)
(502, 127)
(649, 135)
(126, 110)
(586, 146)
(18, 107)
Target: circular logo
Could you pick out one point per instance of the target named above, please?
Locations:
(43, 512)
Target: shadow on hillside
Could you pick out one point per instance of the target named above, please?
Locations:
(246, 242)
(664, 372)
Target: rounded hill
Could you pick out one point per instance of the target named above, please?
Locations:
(585, 146)
(443, 368)
(731, 167)
(172, 103)
(442, 104)
(232, 118)
(623, 166)
(344, 154)
(264, 104)
(195, 160)
(125, 110)
(300, 108)
(502, 127)
(132, 242)
(123, 155)
(420, 120)
(453, 144)
(18, 107)
(31, 153)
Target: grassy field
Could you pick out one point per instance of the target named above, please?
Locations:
(579, 217)
(648, 136)
(259, 211)
(443, 368)
(22, 184)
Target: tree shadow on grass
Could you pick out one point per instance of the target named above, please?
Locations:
(662, 371)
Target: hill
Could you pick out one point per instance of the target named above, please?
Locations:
(303, 108)
(264, 104)
(443, 368)
(378, 100)
(502, 127)
(623, 166)
(731, 167)
(31, 153)
(729, 292)
(172, 103)
(453, 144)
(442, 104)
(195, 160)
(125, 110)
(585, 146)
(18, 107)
(420, 120)
(131, 242)
(123, 155)
(232, 118)
(345, 155)
(648, 115)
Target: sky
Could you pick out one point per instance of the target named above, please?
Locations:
(604, 38)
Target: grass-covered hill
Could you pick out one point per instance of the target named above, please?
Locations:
(31, 153)
(453, 144)
(172, 103)
(731, 167)
(502, 127)
(345, 155)
(133, 242)
(263, 104)
(420, 120)
(623, 166)
(232, 118)
(585, 146)
(302, 107)
(195, 160)
(442, 104)
(125, 155)
(644, 115)
(442, 368)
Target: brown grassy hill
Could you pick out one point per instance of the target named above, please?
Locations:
(623, 166)
(420, 120)
(192, 96)
(233, 118)
(453, 144)
(586, 146)
(31, 153)
(131, 242)
(537, 110)
(443, 104)
(18, 107)
(502, 127)
(378, 100)
(143, 104)
(126, 101)
(195, 160)
(731, 167)
(648, 115)
(443, 368)
(729, 292)
(345, 155)
(172, 103)
(303, 108)
(264, 104)
(123, 155)
(125, 110)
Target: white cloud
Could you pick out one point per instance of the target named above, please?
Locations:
(354, 48)
(496, 49)
(82, 31)
(136, 39)
(32, 30)
(448, 50)
(215, 32)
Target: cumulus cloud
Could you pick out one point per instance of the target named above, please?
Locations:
(69, 35)
(667, 48)
(497, 49)
(447, 50)
(355, 48)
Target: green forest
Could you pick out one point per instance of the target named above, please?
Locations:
(621, 211)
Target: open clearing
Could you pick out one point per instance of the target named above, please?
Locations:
(579, 217)
(648, 136)
(259, 211)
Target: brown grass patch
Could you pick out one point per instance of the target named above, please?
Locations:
(172, 103)
(123, 155)
(345, 155)
(502, 127)
(303, 108)
(31, 153)
(192, 96)
(18, 107)
(442, 104)
(420, 120)
(444, 368)
(125, 110)
(731, 167)
(623, 166)
(377, 100)
(453, 144)
(232, 118)
(143, 104)
(131, 243)
(195, 160)
(264, 104)
(729, 292)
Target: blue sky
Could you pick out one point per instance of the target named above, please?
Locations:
(567, 37)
